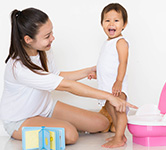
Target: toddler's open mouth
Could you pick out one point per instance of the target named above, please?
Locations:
(111, 31)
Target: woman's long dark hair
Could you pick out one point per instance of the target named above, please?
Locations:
(26, 22)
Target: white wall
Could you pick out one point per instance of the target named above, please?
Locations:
(79, 36)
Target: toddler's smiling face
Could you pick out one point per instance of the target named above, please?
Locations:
(113, 24)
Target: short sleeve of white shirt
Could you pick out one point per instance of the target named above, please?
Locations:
(46, 81)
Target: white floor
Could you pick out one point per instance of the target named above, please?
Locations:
(85, 142)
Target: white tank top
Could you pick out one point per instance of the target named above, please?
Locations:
(107, 67)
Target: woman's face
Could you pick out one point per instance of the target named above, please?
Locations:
(43, 39)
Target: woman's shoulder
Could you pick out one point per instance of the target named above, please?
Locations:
(13, 62)
(14, 66)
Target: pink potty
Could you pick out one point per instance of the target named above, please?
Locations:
(148, 125)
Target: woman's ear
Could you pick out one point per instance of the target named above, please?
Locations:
(27, 39)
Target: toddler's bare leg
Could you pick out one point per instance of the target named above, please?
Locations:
(120, 122)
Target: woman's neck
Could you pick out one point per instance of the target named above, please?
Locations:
(31, 52)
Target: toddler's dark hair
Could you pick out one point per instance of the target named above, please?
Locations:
(118, 8)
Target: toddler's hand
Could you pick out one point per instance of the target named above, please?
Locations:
(117, 87)
(92, 74)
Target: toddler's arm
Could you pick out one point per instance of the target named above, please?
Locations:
(122, 48)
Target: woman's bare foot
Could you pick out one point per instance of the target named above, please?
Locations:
(111, 138)
(115, 142)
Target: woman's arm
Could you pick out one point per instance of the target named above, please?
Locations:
(87, 91)
(77, 75)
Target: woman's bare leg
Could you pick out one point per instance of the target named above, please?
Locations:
(71, 134)
(83, 120)
(69, 117)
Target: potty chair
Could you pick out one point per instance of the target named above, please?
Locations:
(148, 125)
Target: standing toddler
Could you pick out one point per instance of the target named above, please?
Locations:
(111, 68)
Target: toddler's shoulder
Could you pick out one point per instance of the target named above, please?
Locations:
(122, 43)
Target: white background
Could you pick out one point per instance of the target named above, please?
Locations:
(79, 37)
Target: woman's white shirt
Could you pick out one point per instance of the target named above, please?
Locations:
(27, 94)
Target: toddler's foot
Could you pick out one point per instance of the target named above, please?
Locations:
(115, 142)
(111, 138)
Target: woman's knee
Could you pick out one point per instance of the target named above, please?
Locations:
(17, 135)
(103, 123)
(100, 123)
(71, 134)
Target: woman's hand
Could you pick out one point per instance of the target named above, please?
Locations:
(120, 105)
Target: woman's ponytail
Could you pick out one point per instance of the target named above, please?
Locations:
(15, 37)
